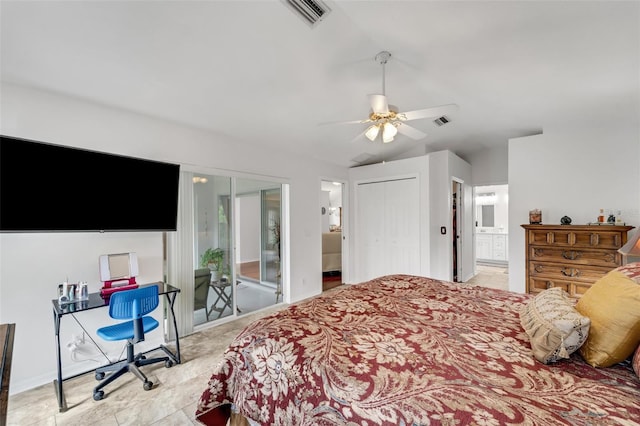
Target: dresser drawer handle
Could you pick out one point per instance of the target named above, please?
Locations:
(610, 257)
(595, 239)
(571, 255)
(570, 272)
(549, 284)
(539, 268)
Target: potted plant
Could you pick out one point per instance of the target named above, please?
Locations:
(213, 259)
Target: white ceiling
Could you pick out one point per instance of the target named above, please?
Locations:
(254, 71)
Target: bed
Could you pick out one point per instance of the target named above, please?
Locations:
(331, 251)
(409, 350)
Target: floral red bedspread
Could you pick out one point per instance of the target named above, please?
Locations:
(407, 350)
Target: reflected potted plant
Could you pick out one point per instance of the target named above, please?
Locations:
(213, 259)
(275, 235)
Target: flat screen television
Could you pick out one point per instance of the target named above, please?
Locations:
(53, 188)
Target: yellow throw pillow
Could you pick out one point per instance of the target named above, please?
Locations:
(613, 305)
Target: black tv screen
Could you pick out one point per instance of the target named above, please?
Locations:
(53, 188)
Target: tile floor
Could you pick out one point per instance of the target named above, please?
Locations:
(176, 390)
(172, 401)
(250, 297)
(491, 276)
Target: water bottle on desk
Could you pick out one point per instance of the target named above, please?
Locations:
(84, 291)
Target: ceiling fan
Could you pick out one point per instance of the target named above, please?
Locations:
(387, 121)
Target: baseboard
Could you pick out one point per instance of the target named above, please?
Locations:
(487, 262)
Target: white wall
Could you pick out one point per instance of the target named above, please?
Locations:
(31, 265)
(573, 173)
(325, 204)
(490, 166)
(444, 166)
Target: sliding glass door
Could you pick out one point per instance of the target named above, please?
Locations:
(213, 291)
(270, 228)
(257, 232)
(236, 245)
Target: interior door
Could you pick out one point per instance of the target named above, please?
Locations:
(456, 230)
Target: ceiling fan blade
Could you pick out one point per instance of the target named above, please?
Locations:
(329, 123)
(379, 104)
(433, 112)
(412, 132)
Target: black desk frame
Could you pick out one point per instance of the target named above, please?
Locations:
(97, 301)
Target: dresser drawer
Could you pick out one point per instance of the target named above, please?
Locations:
(574, 288)
(564, 271)
(600, 239)
(570, 238)
(575, 256)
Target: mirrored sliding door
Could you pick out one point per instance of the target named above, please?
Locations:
(213, 286)
(236, 245)
(257, 236)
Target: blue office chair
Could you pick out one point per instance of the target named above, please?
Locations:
(131, 305)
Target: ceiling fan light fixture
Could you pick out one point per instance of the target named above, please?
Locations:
(385, 119)
(389, 131)
(372, 132)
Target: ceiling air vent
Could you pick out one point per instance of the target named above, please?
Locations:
(441, 121)
(312, 11)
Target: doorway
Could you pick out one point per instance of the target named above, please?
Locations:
(331, 213)
(456, 230)
(491, 218)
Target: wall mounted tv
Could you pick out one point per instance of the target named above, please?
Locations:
(53, 188)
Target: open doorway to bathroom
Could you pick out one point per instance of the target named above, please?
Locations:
(332, 221)
(491, 216)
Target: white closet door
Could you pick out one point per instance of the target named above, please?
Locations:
(402, 227)
(370, 230)
(387, 228)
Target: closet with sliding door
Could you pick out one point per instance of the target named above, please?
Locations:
(402, 217)
(388, 217)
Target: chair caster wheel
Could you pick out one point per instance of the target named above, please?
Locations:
(99, 376)
(168, 363)
(97, 396)
(147, 385)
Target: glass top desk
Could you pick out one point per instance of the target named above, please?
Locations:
(96, 300)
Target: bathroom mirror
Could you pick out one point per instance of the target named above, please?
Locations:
(487, 216)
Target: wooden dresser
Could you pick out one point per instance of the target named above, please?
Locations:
(572, 257)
